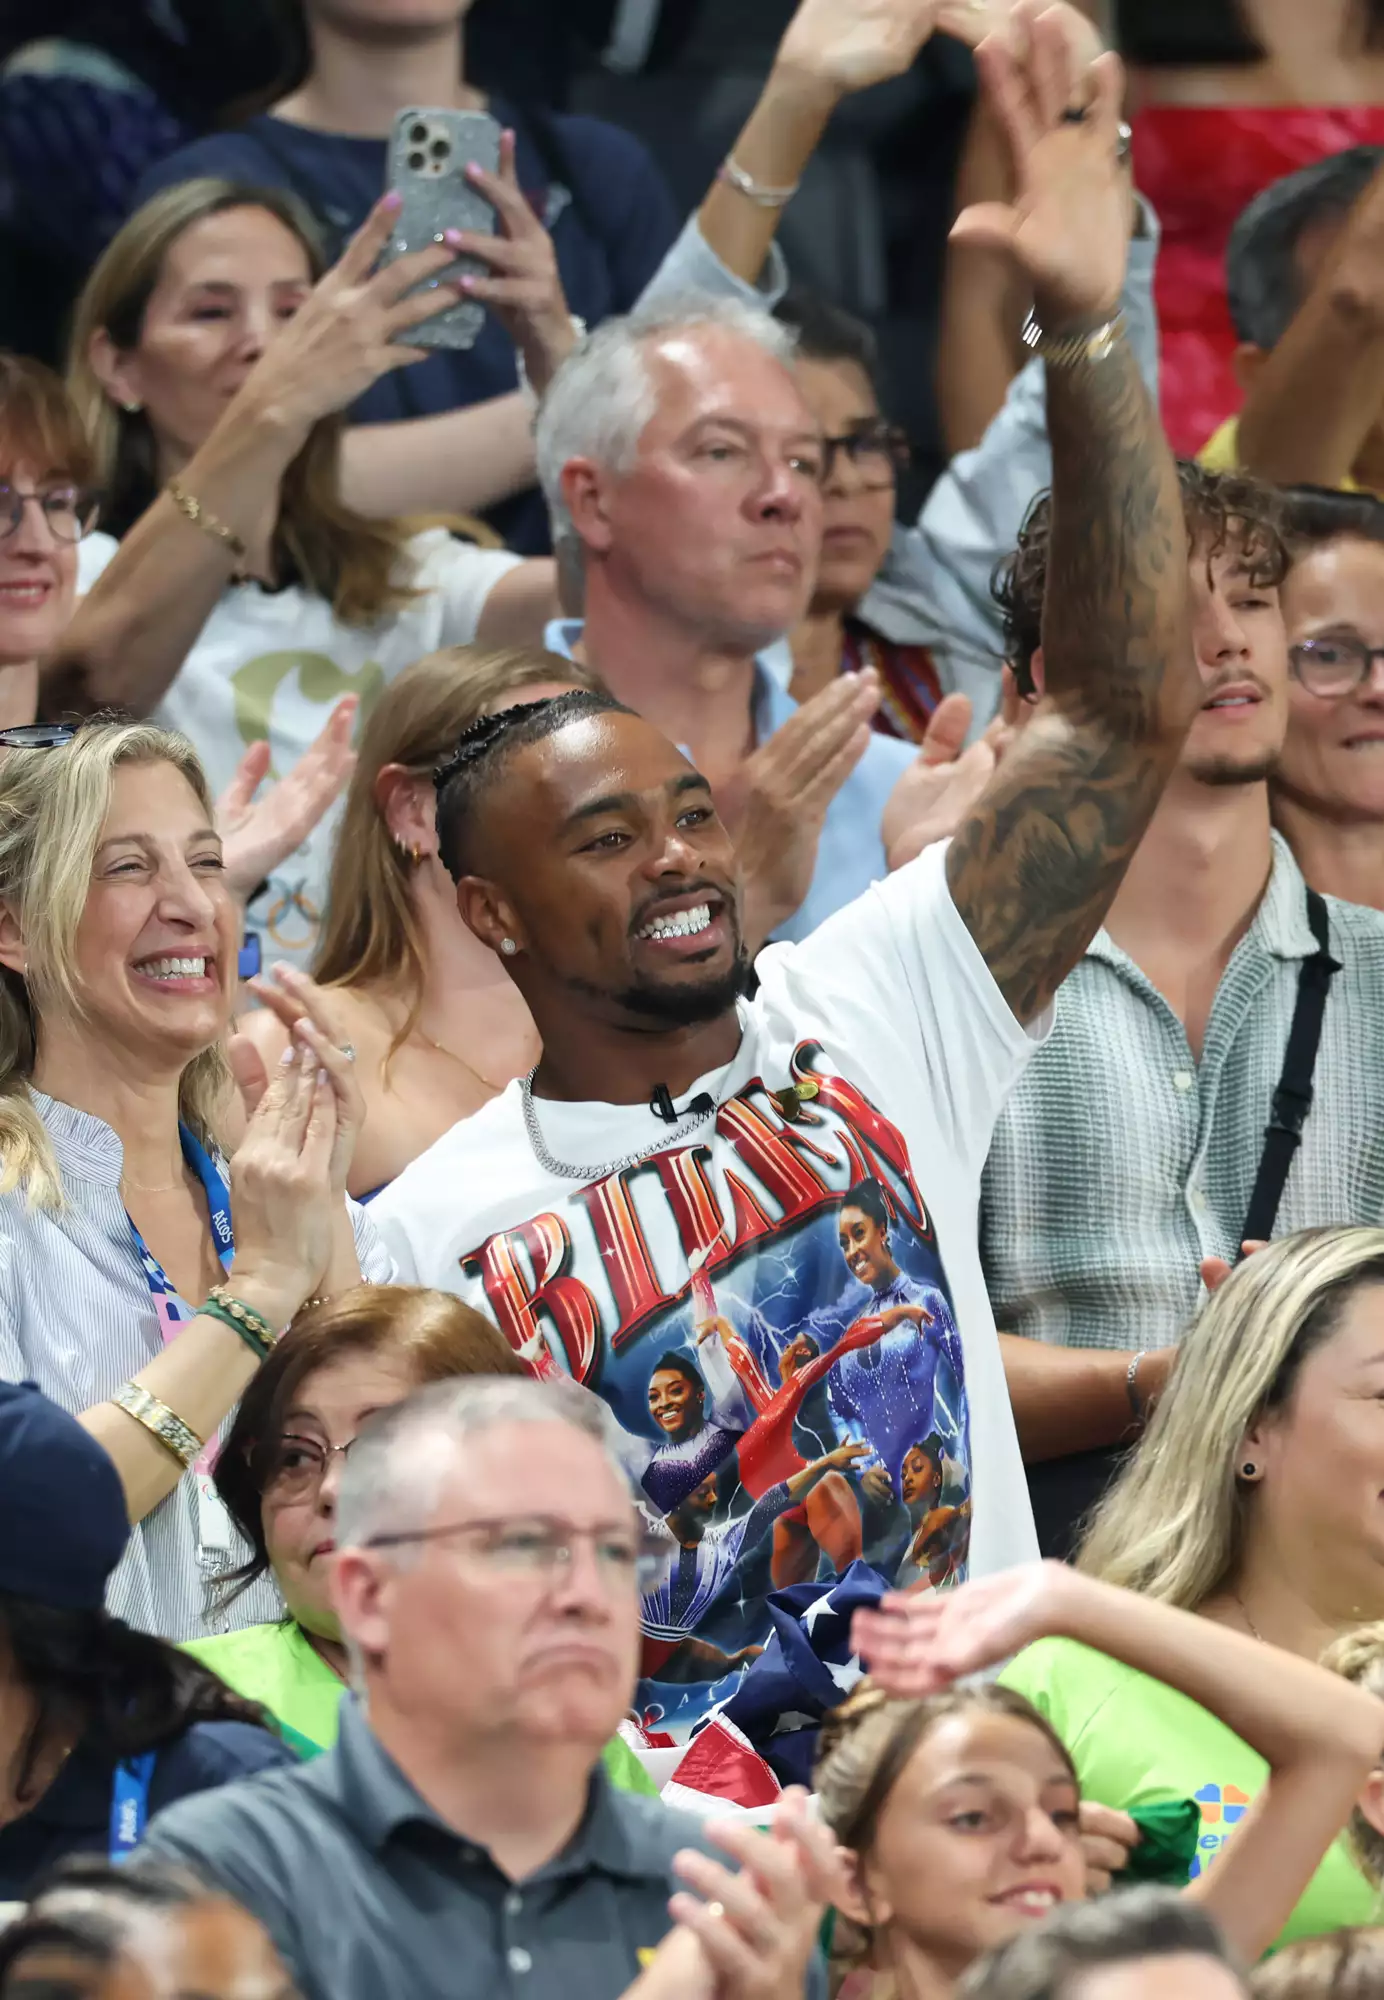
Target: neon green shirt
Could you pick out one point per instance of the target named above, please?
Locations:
(1135, 1741)
(275, 1666)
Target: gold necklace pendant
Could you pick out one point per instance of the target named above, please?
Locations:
(790, 1102)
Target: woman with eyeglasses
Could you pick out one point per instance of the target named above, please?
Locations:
(1328, 790)
(140, 1285)
(278, 1475)
(850, 622)
(48, 506)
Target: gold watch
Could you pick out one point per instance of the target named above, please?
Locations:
(1069, 350)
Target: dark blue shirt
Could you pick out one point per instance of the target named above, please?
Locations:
(610, 212)
(73, 1816)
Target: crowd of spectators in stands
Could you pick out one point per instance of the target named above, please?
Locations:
(691, 973)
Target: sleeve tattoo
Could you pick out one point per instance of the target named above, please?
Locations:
(1035, 866)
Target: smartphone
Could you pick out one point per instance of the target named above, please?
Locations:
(429, 152)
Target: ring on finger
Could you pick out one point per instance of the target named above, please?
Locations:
(348, 1049)
(716, 1909)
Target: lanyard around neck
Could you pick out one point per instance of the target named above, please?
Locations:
(130, 1804)
(218, 1193)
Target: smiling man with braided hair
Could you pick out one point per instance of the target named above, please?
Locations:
(676, 1163)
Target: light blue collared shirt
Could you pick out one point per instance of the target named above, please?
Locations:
(850, 854)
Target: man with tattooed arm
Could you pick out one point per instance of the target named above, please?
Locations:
(682, 1154)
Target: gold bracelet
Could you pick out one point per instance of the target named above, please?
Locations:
(166, 1425)
(191, 508)
(254, 1323)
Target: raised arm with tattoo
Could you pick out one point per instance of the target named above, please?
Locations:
(1035, 866)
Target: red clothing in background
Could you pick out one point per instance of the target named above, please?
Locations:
(1200, 166)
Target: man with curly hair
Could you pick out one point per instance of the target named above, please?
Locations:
(1136, 1144)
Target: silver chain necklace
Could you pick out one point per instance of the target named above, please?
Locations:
(687, 1124)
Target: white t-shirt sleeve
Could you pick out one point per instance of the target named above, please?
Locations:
(898, 965)
(460, 577)
(94, 556)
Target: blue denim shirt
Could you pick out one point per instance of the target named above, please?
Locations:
(850, 855)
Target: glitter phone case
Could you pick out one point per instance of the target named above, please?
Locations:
(429, 152)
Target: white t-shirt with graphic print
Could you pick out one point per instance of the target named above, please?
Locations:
(904, 1049)
(274, 663)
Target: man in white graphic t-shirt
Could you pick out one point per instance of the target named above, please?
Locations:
(661, 1211)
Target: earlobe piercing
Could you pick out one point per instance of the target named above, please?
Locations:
(508, 947)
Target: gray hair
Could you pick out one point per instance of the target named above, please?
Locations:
(395, 1471)
(1263, 281)
(1049, 1961)
(602, 397)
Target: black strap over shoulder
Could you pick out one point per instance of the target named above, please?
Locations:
(1292, 1101)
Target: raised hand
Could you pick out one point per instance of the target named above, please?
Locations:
(778, 802)
(1068, 226)
(525, 293)
(351, 328)
(257, 834)
(847, 45)
(919, 1645)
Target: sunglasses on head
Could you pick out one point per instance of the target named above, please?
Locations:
(37, 736)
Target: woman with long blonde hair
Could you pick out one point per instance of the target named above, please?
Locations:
(238, 596)
(439, 1025)
(140, 1285)
(1253, 1500)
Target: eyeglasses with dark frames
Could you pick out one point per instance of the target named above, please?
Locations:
(1332, 667)
(70, 511)
(878, 450)
(540, 1548)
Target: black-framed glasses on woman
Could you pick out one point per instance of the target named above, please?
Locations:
(1333, 667)
(70, 511)
(878, 451)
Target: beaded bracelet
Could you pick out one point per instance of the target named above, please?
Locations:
(254, 1329)
(162, 1423)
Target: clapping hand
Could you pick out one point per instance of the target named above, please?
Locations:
(310, 1015)
(1068, 226)
(941, 786)
(283, 1204)
(257, 834)
(778, 801)
(758, 1925)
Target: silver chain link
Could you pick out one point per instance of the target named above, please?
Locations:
(686, 1125)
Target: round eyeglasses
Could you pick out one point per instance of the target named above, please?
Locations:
(1331, 668)
(70, 511)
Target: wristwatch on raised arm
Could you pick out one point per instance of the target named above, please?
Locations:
(1069, 350)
